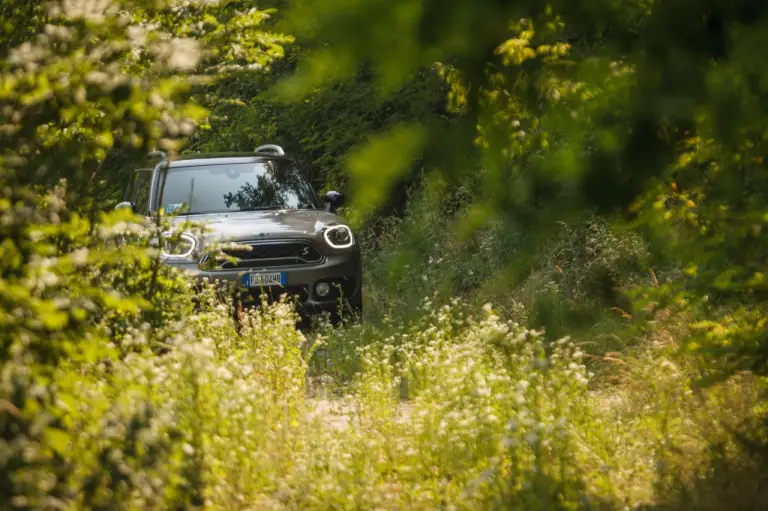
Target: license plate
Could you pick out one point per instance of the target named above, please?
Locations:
(264, 279)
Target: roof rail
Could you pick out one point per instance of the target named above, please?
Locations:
(271, 149)
(162, 154)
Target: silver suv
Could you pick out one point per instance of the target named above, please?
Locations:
(282, 239)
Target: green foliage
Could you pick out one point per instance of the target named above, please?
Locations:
(70, 307)
(247, 111)
(99, 82)
(123, 386)
(68, 99)
(580, 283)
(375, 169)
(72, 301)
(230, 34)
(20, 21)
(652, 110)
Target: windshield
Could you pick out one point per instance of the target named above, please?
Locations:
(269, 184)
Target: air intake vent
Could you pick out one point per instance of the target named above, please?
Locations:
(277, 253)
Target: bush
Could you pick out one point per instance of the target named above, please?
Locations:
(143, 397)
(583, 279)
(579, 282)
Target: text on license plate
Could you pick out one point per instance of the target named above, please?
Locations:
(264, 279)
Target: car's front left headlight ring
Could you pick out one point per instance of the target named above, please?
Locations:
(178, 246)
(339, 236)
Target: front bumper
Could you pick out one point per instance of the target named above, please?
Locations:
(342, 271)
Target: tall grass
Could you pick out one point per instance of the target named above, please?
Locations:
(455, 405)
(459, 410)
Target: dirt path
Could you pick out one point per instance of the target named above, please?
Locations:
(337, 413)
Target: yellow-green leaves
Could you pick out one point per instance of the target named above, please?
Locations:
(74, 92)
(322, 69)
(375, 168)
(518, 49)
(58, 440)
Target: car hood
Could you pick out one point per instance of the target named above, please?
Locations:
(256, 225)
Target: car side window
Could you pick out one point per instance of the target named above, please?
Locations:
(139, 190)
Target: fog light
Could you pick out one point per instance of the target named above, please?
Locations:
(323, 289)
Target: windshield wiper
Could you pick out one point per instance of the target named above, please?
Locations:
(262, 208)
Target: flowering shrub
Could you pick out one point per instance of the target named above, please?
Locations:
(69, 311)
(490, 411)
(82, 80)
(220, 417)
(140, 396)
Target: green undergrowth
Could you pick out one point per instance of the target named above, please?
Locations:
(581, 281)
(123, 389)
(641, 432)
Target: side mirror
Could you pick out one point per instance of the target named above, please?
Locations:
(333, 201)
(126, 205)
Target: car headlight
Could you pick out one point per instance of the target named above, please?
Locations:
(339, 236)
(178, 246)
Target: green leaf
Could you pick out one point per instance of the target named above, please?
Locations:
(58, 440)
(375, 168)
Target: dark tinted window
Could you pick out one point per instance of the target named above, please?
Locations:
(138, 190)
(141, 191)
(236, 187)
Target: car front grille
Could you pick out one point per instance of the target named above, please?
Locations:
(273, 253)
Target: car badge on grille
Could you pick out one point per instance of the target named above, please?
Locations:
(305, 252)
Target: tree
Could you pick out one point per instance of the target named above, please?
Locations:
(97, 78)
(88, 69)
(653, 112)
